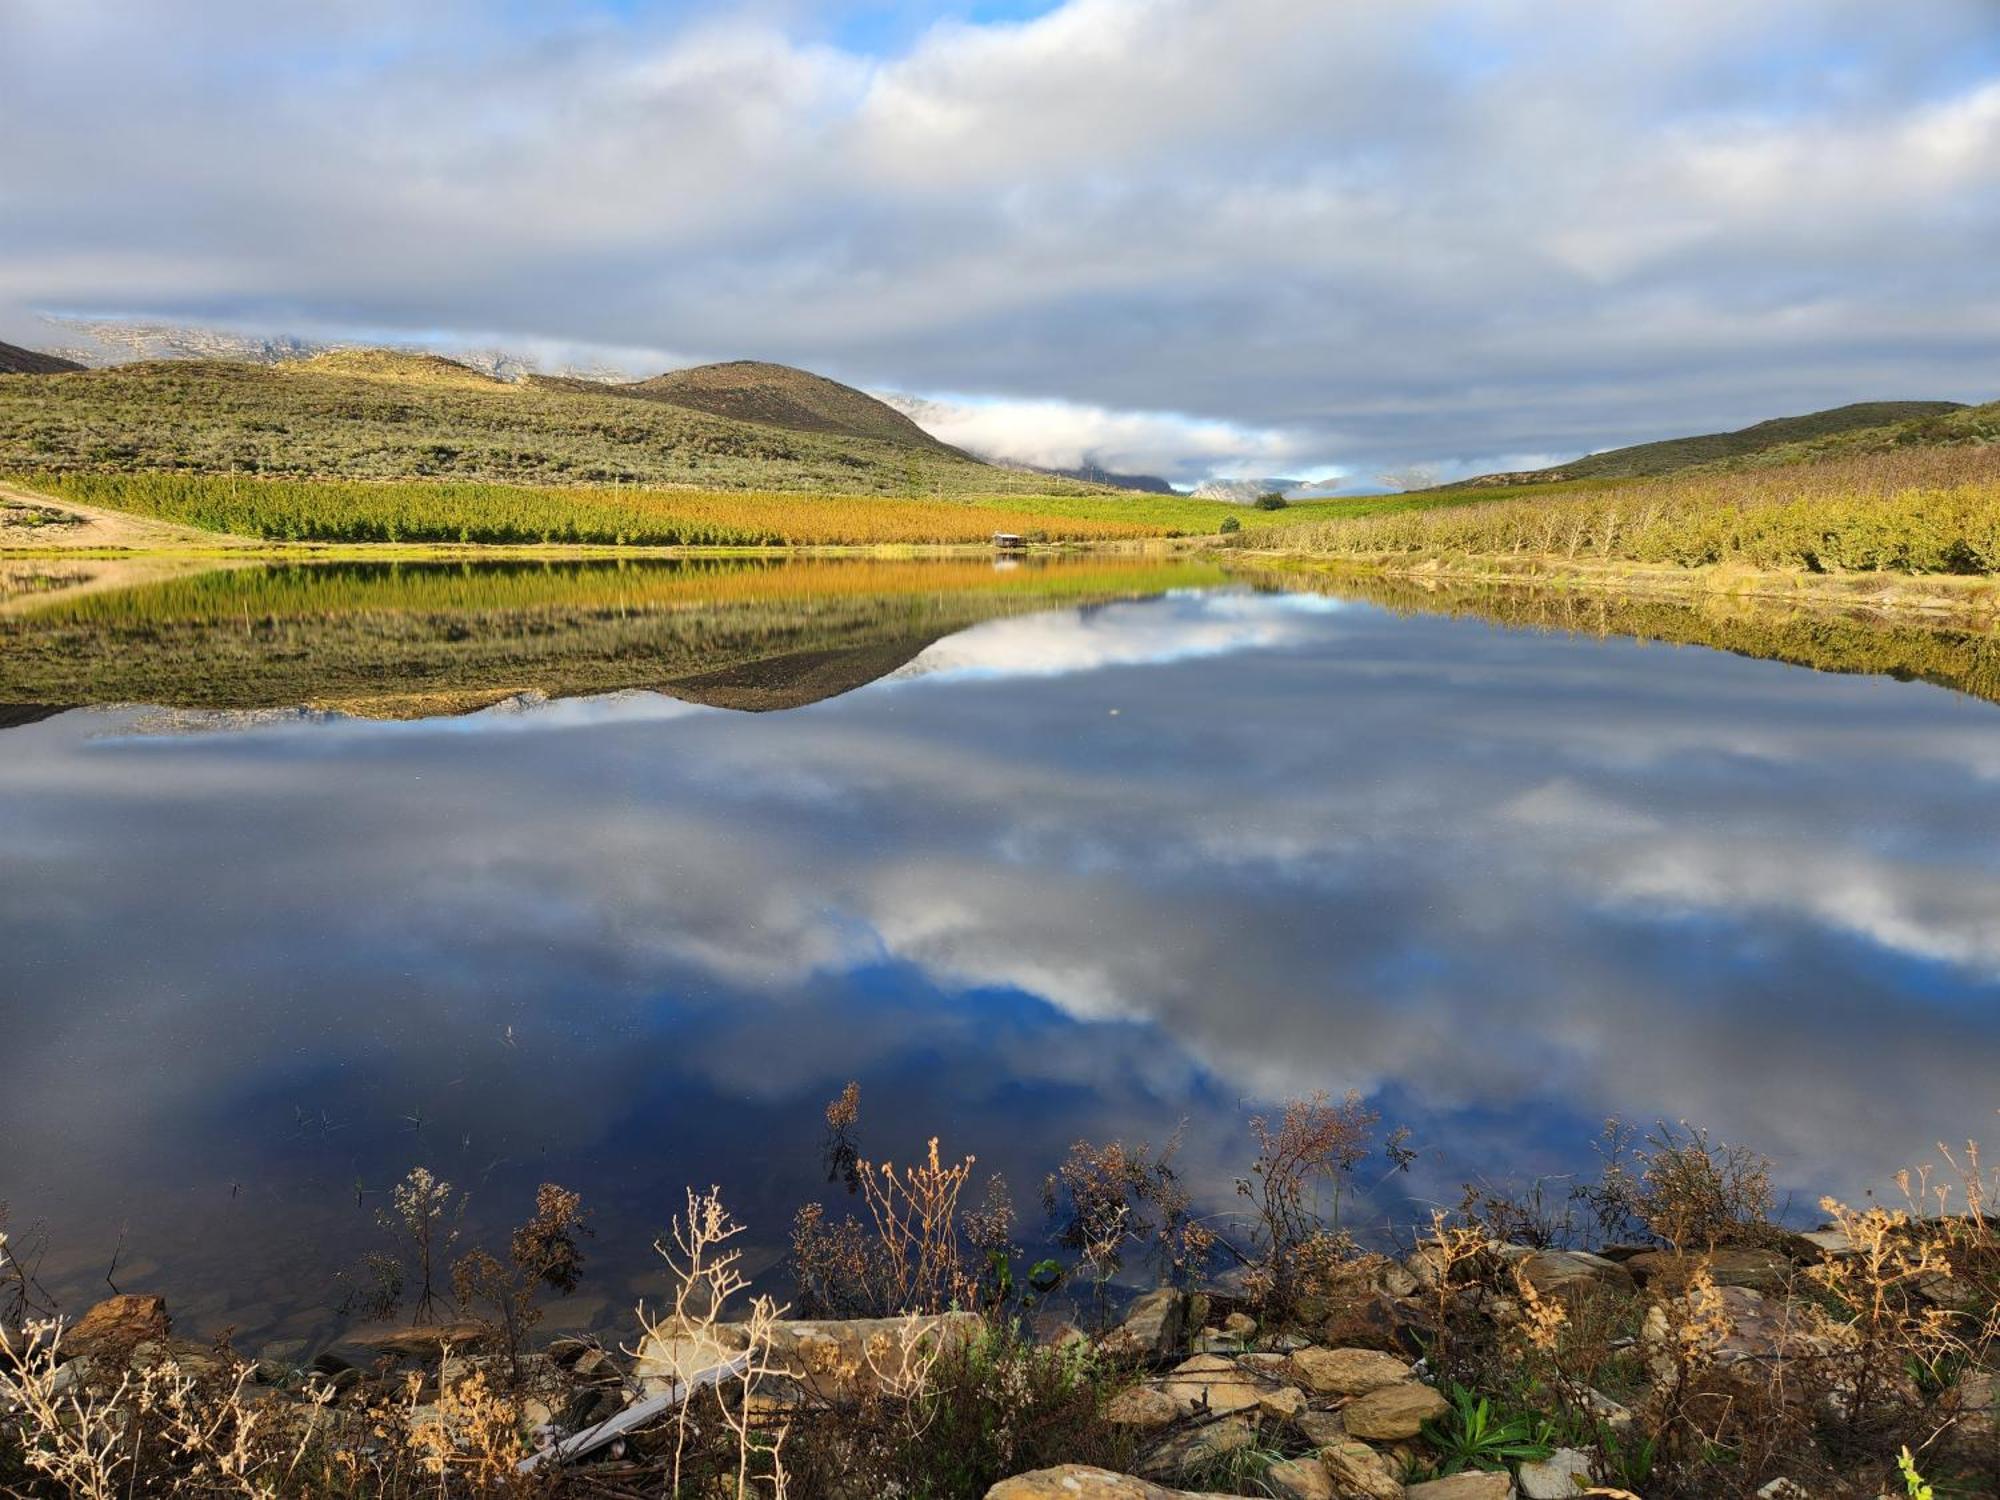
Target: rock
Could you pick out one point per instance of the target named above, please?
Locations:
(1322, 1428)
(1240, 1326)
(1144, 1408)
(1784, 1489)
(117, 1324)
(1949, 1293)
(1286, 1404)
(1195, 1446)
(1468, 1486)
(1830, 1244)
(1155, 1326)
(1765, 1270)
(1563, 1475)
(1395, 1281)
(1079, 1482)
(1264, 1363)
(1299, 1479)
(1760, 1328)
(1208, 1381)
(1570, 1272)
(1975, 1406)
(1379, 1321)
(834, 1358)
(1287, 1343)
(1357, 1469)
(283, 1351)
(428, 1341)
(1393, 1412)
(1215, 1341)
(1613, 1415)
(1347, 1372)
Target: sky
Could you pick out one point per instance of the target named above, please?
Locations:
(1187, 237)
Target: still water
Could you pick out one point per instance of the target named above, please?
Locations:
(1095, 855)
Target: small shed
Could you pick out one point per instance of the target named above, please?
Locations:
(1009, 541)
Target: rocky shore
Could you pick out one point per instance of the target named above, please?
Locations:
(1192, 1392)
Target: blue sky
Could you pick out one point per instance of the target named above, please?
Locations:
(1194, 237)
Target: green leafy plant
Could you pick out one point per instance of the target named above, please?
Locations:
(1913, 1482)
(1474, 1435)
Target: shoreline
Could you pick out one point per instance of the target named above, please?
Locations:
(1940, 597)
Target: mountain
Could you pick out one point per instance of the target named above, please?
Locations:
(1645, 460)
(390, 414)
(15, 360)
(1242, 491)
(1150, 484)
(749, 390)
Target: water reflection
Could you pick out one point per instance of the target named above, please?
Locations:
(1088, 872)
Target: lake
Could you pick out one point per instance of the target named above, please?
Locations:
(614, 876)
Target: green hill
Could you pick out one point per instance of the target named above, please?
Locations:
(1955, 427)
(380, 414)
(1647, 460)
(748, 390)
(14, 360)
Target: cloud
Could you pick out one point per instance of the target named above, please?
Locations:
(1363, 236)
(1064, 435)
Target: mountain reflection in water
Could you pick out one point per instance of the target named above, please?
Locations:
(1068, 872)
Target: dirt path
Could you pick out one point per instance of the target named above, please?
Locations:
(96, 529)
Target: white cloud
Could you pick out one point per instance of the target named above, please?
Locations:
(1366, 234)
(1066, 435)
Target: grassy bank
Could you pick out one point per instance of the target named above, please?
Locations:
(1919, 511)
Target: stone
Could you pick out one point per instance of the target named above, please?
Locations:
(118, 1324)
(1472, 1485)
(1357, 1469)
(1322, 1428)
(1195, 1446)
(1240, 1326)
(1079, 1482)
(833, 1358)
(1392, 1413)
(428, 1341)
(1286, 1404)
(1155, 1326)
(1759, 1328)
(1569, 1272)
(1949, 1293)
(1378, 1321)
(1210, 1382)
(1265, 1363)
(1830, 1244)
(1784, 1489)
(1395, 1281)
(1299, 1479)
(1144, 1408)
(1347, 1372)
(1765, 1270)
(1612, 1414)
(1975, 1406)
(1563, 1475)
